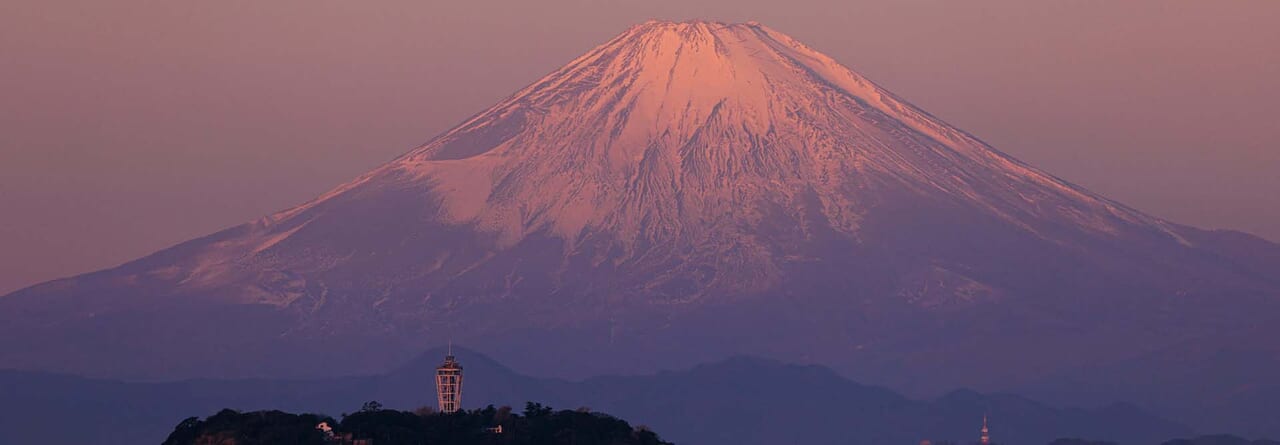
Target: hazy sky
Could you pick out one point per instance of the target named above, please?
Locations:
(127, 126)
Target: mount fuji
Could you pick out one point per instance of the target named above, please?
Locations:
(683, 193)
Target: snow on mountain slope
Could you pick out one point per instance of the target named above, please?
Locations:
(684, 131)
(676, 112)
(685, 191)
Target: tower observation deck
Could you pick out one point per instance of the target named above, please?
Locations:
(449, 384)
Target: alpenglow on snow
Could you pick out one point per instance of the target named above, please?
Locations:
(684, 192)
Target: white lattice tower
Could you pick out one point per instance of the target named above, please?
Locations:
(449, 384)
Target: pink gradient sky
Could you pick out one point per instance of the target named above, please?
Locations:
(130, 125)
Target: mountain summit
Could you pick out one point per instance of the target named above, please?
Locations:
(694, 131)
(681, 193)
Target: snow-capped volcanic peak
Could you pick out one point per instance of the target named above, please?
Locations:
(679, 145)
(670, 126)
(675, 189)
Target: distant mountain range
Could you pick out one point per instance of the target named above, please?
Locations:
(740, 401)
(684, 193)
